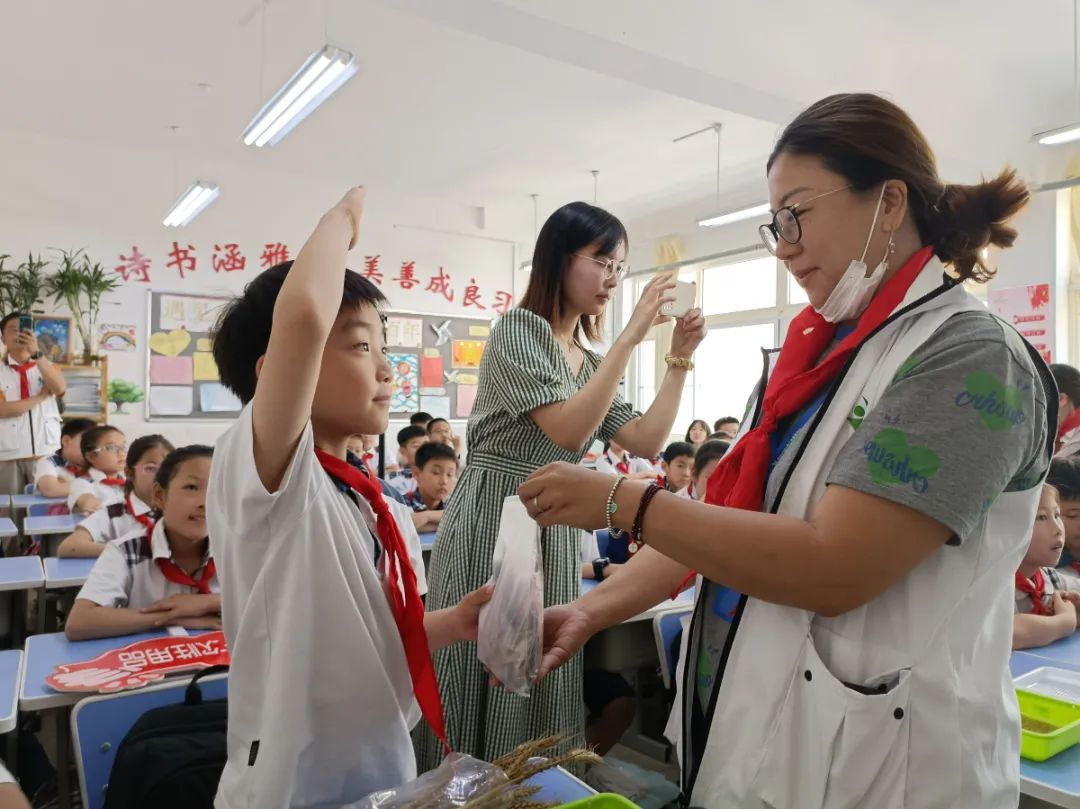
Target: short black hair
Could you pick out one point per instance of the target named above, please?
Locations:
(143, 444)
(243, 330)
(678, 449)
(436, 421)
(1065, 477)
(434, 451)
(708, 452)
(74, 427)
(10, 317)
(419, 418)
(726, 420)
(89, 440)
(407, 434)
(171, 465)
(1068, 381)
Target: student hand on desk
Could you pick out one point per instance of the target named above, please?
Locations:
(175, 610)
(1068, 598)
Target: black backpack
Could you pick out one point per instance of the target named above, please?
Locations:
(173, 756)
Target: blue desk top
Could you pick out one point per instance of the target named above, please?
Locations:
(58, 524)
(10, 680)
(7, 528)
(20, 573)
(427, 541)
(67, 572)
(20, 501)
(45, 652)
(684, 600)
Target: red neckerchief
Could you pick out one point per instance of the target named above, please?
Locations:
(1075, 566)
(119, 482)
(76, 471)
(623, 466)
(24, 380)
(1070, 424)
(1036, 588)
(739, 480)
(407, 608)
(176, 574)
(661, 481)
(369, 460)
(143, 519)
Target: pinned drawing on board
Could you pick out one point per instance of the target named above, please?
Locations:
(171, 400)
(404, 332)
(170, 343)
(216, 398)
(468, 353)
(431, 372)
(116, 337)
(479, 331)
(170, 371)
(466, 397)
(189, 312)
(442, 333)
(206, 369)
(437, 406)
(405, 383)
(122, 392)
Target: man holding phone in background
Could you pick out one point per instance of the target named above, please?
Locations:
(29, 416)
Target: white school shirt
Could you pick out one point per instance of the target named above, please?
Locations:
(91, 484)
(34, 433)
(114, 520)
(127, 573)
(320, 698)
(47, 467)
(608, 464)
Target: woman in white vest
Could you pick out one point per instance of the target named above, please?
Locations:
(29, 417)
(852, 629)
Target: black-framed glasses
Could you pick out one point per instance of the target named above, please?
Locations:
(612, 268)
(785, 223)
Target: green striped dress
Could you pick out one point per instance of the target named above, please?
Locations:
(522, 369)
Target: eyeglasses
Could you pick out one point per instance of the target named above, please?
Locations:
(612, 268)
(148, 468)
(785, 223)
(117, 448)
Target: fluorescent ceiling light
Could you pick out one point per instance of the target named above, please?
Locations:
(190, 204)
(323, 73)
(1064, 134)
(525, 266)
(735, 216)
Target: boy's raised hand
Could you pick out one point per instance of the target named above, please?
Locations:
(353, 206)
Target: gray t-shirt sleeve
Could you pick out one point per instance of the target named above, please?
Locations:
(963, 420)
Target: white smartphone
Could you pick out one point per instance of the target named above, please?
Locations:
(685, 294)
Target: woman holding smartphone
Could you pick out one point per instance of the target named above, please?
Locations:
(544, 397)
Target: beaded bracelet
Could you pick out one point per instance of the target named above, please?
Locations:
(611, 508)
(636, 534)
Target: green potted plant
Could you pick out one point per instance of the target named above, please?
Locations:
(26, 284)
(81, 283)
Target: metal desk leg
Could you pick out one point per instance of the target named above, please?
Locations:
(63, 757)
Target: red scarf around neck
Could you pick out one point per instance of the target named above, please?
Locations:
(407, 608)
(176, 574)
(143, 519)
(112, 481)
(1067, 426)
(1036, 588)
(739, 480)
(24, 379)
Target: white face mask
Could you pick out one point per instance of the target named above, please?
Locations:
(855, 289)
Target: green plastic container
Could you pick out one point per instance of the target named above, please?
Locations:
(602, 801)
(1063, 717)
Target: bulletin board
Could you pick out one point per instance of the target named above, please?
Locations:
(435, 362)
(181, 377)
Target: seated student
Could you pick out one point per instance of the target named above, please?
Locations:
(409, 439)
(366, 448)
(1045, 609)
(617, 461)
(144, 458)
(420, 419)
(706, 459)
(677, 466)
(436, 470)
(727, 427)
(161, 575)
(327, 654)
(54, 473)
(441, 431)
(104, 449)
(1065, 477)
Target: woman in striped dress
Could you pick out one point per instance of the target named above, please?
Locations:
(542, 398)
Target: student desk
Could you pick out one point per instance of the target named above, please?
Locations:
(19, 573)
(21, 502)
(51, 525)
(43, 654)
(63, 573)
(7, 528)
(11, 669)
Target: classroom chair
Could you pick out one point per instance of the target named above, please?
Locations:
(666, 626)
(99, 724)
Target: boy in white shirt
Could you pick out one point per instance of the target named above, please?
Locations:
(617, 461)
(105, 450)
(29, 417)
(330, 645)
(54, 473)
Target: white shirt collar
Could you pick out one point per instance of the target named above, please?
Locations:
(159, 544)
(138, 506)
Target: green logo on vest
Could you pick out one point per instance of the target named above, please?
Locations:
(1000, 407)
(858, 414)
(892, 461)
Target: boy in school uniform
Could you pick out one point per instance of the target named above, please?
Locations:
(617, 461)
(30, 421)
(330, 644)
(1064, 476)
(54, 473)
(410, 439)
(105, 451)
(677, 466)
(436, 466)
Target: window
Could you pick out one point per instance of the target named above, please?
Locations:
(740, 286)
(727, 366)
(795, 293)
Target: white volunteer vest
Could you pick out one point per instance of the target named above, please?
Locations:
(34, 433)
(787, 733)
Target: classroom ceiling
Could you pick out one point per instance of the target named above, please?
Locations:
(480, 103)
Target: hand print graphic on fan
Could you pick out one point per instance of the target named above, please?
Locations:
(141, 663)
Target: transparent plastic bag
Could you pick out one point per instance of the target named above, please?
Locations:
(511, 630)
(456, 781)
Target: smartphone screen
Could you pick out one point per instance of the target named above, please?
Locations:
(26, 323)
